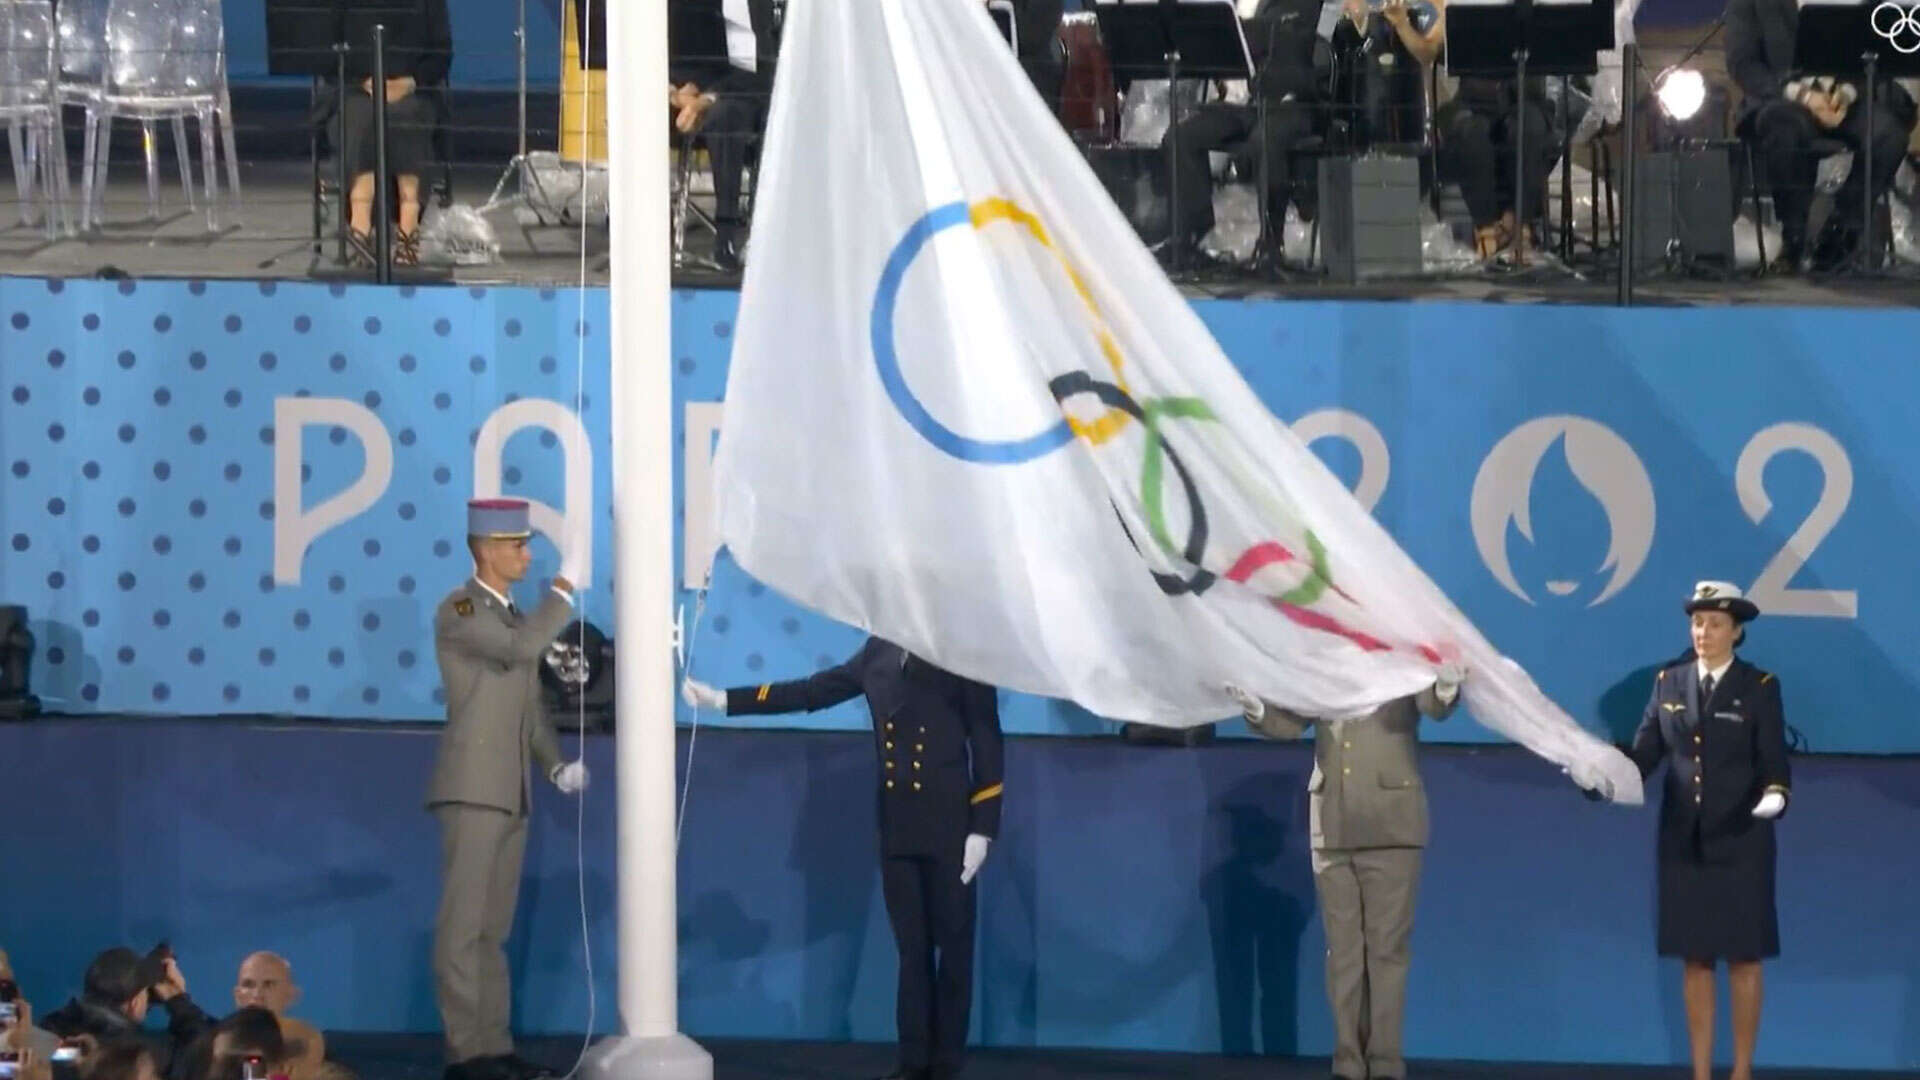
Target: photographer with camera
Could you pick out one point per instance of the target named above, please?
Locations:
(119, 987)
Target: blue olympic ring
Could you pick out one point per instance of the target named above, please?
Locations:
(886, 296)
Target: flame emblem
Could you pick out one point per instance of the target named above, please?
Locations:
(1600, 460)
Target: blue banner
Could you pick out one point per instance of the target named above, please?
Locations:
(234, 497)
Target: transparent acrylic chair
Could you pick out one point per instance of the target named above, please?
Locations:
(163, 60)
(30, 109)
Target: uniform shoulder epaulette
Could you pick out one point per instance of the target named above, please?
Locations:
(463, 607)
(1766, 677)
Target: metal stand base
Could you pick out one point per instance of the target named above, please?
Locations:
(624, 1057)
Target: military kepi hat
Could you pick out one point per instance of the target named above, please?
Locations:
(1722, 596)
(499, 519)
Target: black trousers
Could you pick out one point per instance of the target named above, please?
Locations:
(729, 128)
(932, 917)
(1784, 132)
(1219, 127)
(1476, 152)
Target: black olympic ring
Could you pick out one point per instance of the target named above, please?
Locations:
(1080, 382)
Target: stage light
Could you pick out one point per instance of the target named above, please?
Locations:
(16, 665)
(1681, 92)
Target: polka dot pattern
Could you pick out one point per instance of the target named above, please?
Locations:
(138, 514)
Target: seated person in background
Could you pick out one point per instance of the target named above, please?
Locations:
(1281, 36)
(1783, 112)
(1380, 63)
(266, 981)
(418, 55)
(722, 95)
(113, 1001)
(1477, 132)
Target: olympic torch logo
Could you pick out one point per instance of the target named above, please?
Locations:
(1899, 24)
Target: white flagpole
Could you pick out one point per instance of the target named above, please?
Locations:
(651, 1046)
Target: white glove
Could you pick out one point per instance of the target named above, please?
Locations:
(1250, 707)
(1446, 681)
(1770, 806)
(570, 778)
(972, 856)
(1591, 780)
(701, 696)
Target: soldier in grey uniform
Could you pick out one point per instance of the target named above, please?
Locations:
(1368, 817)
(489, 653)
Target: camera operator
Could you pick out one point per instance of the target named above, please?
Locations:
(119, 987)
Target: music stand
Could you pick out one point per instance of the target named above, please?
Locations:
(1516, 39)
(1200, 39)
(1843, 41)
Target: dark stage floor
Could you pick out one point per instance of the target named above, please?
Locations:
(417, 1057)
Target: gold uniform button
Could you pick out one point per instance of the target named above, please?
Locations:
(889, 725)
(1696, 797)
(1347, 771)
(916, 785)
(919, 749)
(916, 764)
(1346, 746)
(923, 729)
(889, 744)
(889, 783)
(889, 765)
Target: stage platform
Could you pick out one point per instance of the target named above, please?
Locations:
(270, 238)
(1152, 902)
(417, 1057)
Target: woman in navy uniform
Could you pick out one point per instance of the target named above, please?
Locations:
(1717, 723)
(938, 738)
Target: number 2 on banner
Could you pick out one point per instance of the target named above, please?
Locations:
(1771, 590)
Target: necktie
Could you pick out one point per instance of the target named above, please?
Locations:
(513, 609)
(1706, 690)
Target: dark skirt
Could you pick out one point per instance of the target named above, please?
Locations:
(1719, 910)
(410, 124)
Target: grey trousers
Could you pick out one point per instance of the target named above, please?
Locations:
(1366, 906)
(481, 849)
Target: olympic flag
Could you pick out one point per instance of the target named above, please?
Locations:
(967, 412)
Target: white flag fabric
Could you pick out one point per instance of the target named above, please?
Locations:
(968, 413)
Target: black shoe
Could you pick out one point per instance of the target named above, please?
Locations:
(726, 249)
(1837, 244)
(1791, 259)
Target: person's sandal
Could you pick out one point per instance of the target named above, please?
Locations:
(360, 249)
(406, 248)
(1487, 242)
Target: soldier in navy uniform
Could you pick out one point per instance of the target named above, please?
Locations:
(1717, 723)
(938, 738)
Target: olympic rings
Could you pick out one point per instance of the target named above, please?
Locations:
(1902, 31)
(1118, 400)
(887, 359)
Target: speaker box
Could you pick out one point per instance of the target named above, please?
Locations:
(1370, 217)
(1684, 200)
